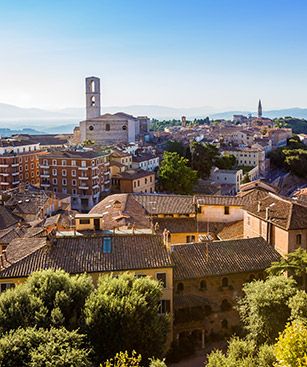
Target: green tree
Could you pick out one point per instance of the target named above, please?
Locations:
(175, 176)
(243, 353)
(246, 179)
(47, 298)
(123, 359)
(264, 309)
(298, 306)
(294, 264)
(226, 161)
(123, 314)
(291, 348)
(175, 146)
(203, 157)
(32, 347)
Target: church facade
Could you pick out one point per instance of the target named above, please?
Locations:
(108, 129)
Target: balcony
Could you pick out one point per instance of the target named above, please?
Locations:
(95, 177)
(45, 184)
(15, 173)
(106, 173)
(45, 175)
(15, 164)
(16, 182)
(106, 182)
(4, 166)
(83, 187)
(83, 168)
(4, 183)
(83, 178)
(4, 174)
(44, 166)
(95, 186)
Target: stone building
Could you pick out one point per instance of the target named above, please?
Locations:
(208, 278)
(108, 129)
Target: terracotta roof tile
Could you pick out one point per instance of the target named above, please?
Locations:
(221, 257)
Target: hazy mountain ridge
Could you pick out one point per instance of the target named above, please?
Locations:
(64, 120)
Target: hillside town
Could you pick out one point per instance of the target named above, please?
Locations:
(98, 201)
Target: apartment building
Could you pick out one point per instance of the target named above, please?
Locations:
(134, 181)
(19, 163)
(148, 162)
(85, 175)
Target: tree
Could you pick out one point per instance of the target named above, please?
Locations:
(294, 264)
(243, 353)
(226, 161)
(40, 347)
(175, 175)
(123, 359)
(264, 309)
(123, 314)
(175, 146)
(246, 179)
(298, 306)
(47, 298)
(203, 156)
(291, 348)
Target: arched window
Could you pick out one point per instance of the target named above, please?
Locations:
(225, 305)
(225, 282)
(225, 324)
(107, 127)
(180, 287)
(91, 128)
(124, 127)
(203, 285)
(93, 101)
(93, 86)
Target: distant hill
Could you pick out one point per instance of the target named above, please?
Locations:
(4, 132)
(64, 120)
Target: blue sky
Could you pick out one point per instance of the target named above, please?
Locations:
(219, 53)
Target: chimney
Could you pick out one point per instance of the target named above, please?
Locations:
(259, 206)
(267, 213)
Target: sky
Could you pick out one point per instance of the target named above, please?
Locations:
(224, 54)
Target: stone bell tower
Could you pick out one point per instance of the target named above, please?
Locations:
(92, 91)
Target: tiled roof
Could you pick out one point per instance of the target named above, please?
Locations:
(9, 234)
(74, 154)
(220, 200)
(121, 210)
(166, 204)
(132, 175)
(222, 257)
(7, 218)
(232, 231)
(282, 212)
(84, 254)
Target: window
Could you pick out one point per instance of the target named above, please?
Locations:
(161, 277)
(26, 167)
(83, 164)
(225, 305)
(145, 181)
(91, 128)
(92, 86)
(73, 163)
(225, 282)
(84, 221)
(54, 172)
(93, 101)
(73, 173)
(180, 287)
(164, 306)
(64, 172)
(298, 239)
(64, 163)
(226, 210)
(248, 220)
(124, 127)
(74, 191)
(107, 245)
(74, 182)
(64, 182)
(190, 239)
(32, 165)
(54, 162)
(32, 174)
(107, 127)
(54, 181)
(203, 285)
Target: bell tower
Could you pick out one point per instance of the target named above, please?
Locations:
(92, 91)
